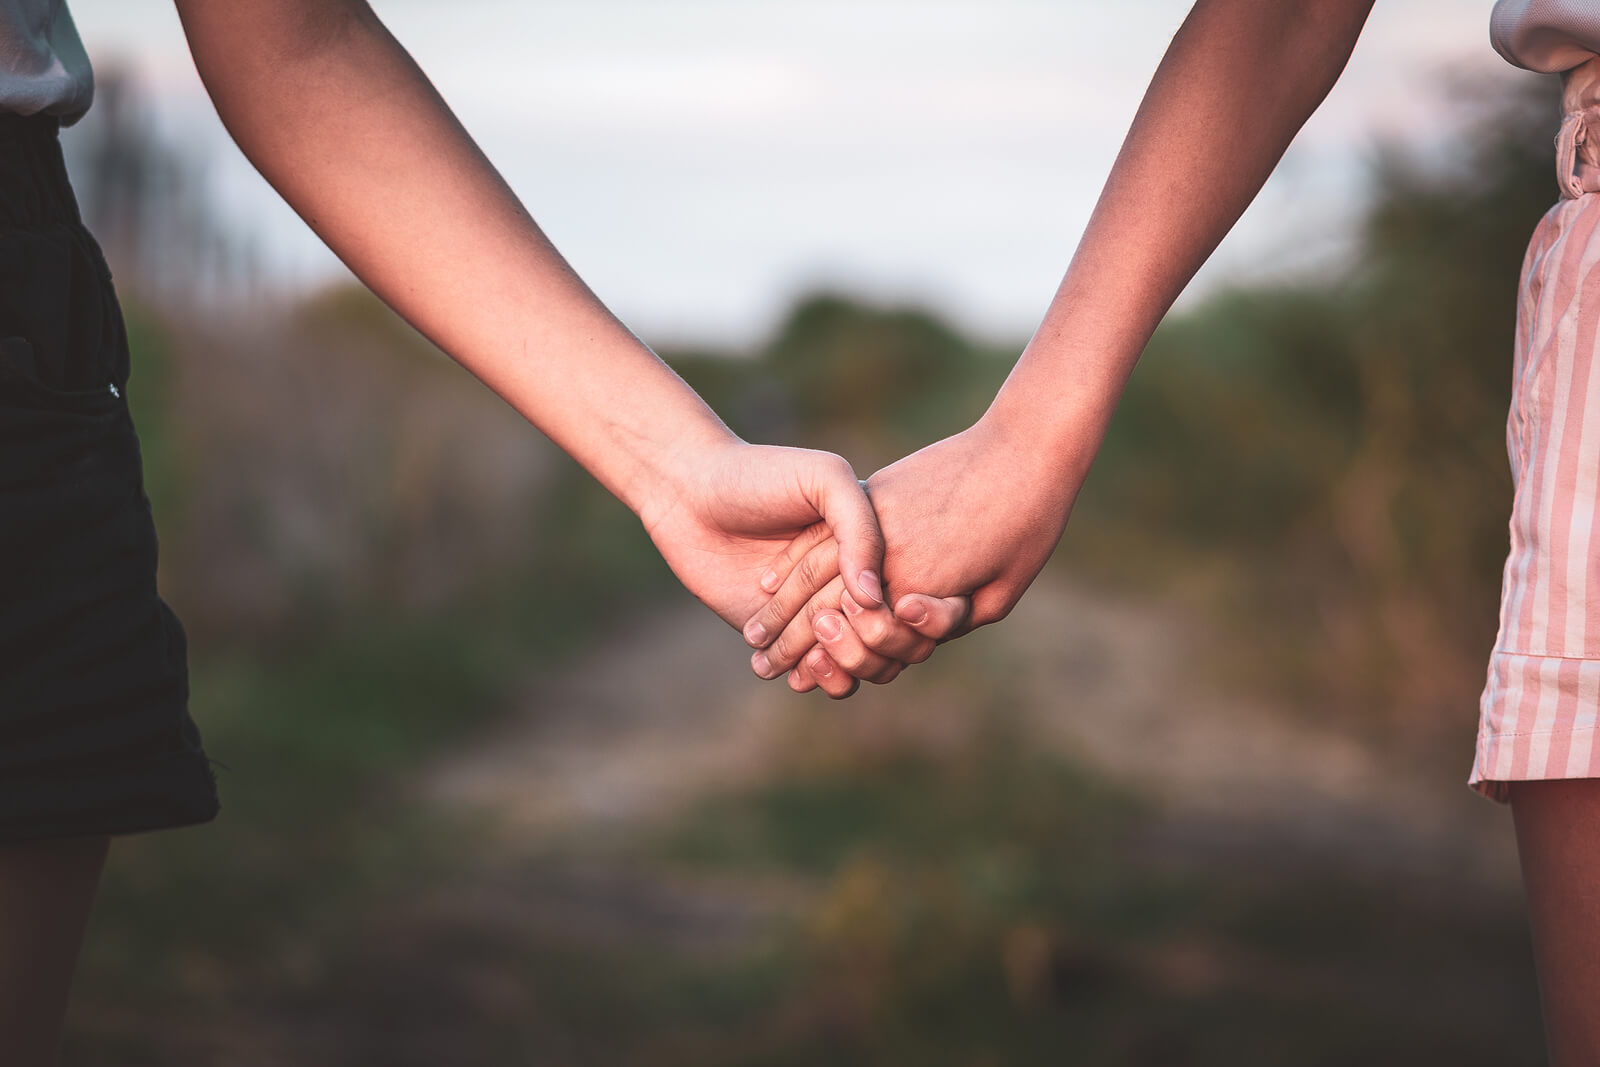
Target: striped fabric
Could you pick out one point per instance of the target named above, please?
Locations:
(1543, 690)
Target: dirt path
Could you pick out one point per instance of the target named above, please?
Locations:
(1109, 681)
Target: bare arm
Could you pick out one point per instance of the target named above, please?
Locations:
(1237, 83)
(341, 121)
(980, 512)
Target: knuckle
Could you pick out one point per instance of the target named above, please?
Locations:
(783, 650)
(852, 657)
(844, 691)
(806, 543)
(1003, 603)
(889, 635)
(786, 606)
(989, 610)
(993, 615)
(773, 617)
(818, 604)
(942, 618)
(874, 630)
(888, 674)
(812, 571)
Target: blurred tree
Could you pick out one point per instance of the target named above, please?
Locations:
(866, 369)
(1422, 510)
(145, 198)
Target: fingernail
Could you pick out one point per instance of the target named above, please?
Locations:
(871, 586)
(755, 634)
(848, 603)
(769, 581)
(820, 665)
(762, 664)
(828, 626)
(918, 613)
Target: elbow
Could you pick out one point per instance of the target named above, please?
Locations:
(1333, 24)
(240, 47)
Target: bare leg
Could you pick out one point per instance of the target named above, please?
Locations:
(46, 890)
(1558, 838)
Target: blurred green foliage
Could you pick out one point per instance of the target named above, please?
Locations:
(1343, 445)
(151, 402)
(995, 906)
(871, 382)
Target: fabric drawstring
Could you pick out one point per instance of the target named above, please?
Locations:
(1577, 154)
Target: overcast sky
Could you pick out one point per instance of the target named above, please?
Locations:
(703, 161)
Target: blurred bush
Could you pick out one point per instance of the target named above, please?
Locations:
(1341, 445)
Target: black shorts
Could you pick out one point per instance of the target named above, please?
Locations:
(95, 734)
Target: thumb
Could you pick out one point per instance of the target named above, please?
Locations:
(842, 502)
(936, 617)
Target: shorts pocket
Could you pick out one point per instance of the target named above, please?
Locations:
(20, 384)
(62, 452)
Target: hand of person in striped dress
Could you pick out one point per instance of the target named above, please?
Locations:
(978, 513)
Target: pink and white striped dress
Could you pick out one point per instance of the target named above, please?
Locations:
(1538, 712)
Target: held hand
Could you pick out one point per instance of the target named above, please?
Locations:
(724, 525)
(811, 605)
(874, 645)
(977, 514)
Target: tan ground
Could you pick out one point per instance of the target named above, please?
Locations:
(1109, 681)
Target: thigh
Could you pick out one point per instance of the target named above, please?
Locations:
(46, 891)
(1558, 839)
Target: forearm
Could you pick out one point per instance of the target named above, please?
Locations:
(340, 120)
(1237, 83)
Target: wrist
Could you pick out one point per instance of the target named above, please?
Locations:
(1050, 434)
(1068, 380)
(669, 474)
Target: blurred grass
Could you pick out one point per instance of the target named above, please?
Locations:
(998, 906)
